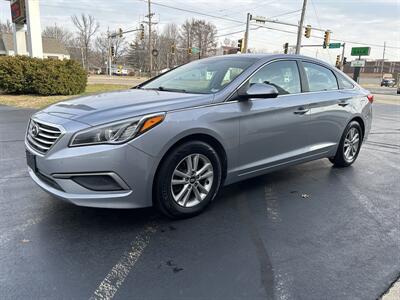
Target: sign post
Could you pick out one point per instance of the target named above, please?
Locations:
(27, 11)
(359, 51)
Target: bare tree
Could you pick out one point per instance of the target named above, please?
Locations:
(200, 34)
(204, 37)
(64, 36)
(87, 28)
(102, 48)
(6, 27)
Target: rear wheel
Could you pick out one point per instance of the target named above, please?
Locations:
(188, 180)
(349, 146)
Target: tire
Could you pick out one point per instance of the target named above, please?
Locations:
(178, 196)
(343, 158)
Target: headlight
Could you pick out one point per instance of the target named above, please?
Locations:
(118, 132)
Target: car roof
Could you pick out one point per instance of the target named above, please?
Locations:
(267, 57)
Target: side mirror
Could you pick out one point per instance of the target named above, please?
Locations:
(260, 90)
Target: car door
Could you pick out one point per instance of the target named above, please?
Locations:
(273, 131)
(330, 107)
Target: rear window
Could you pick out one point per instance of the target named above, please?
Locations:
(344, 83)
(320, 78)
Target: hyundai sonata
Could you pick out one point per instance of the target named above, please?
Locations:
(174, 140)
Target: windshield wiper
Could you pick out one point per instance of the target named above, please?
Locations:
(164, 89)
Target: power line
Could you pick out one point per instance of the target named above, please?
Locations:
(319, 24)
(267, 27)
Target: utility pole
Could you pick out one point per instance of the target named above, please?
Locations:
(383, 58)
(246, 35)
(149, 16)
(300, 29)
(343, 52)
(109, 56)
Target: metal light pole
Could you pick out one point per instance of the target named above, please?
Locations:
(300, 29)
(246, 35)
(150, 44)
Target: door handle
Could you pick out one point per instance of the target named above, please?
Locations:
(301, 111)
(343, 103)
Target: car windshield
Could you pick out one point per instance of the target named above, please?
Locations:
(202, 76)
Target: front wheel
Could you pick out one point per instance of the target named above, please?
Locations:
(188, 180)
(349, 146)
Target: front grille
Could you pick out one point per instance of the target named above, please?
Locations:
(41, 137)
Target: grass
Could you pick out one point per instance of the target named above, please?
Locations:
(34, 101)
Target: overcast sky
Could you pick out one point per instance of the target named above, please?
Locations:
(366, 21)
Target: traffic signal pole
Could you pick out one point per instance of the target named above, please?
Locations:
(300, 29)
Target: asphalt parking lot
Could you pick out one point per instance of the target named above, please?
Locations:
(306, 232)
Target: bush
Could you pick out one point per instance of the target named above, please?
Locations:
(25, 75)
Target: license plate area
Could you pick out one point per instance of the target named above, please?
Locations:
(31, 160)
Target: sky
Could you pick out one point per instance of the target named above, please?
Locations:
(365, 22)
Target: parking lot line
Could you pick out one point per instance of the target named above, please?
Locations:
(116, 277)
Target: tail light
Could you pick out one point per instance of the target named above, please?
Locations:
(370, 98)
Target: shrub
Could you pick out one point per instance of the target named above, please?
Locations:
(25, 75)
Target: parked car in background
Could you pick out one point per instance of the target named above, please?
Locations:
(388, 80)
(176, 139)
(120, 71)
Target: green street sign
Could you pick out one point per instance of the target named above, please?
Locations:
(195, 50)
(360, 51)
(334, 45)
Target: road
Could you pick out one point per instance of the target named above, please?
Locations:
(305, 232)
(122, 80)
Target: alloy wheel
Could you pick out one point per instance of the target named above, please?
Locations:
(192, 180)
(351, 144)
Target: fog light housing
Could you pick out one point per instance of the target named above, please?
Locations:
(100, 183)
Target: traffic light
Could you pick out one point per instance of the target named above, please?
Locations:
(120, 32)
(189, 51)
(173, 48)
(141, 32)
(112, 51)
(327, 39)
(286, 48)
(240, 45)
(307, 33)
(344, 61)
(337, 61)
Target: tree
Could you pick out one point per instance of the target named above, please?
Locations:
(87, 28)
(59, 33)
(6, 27)
(102, 47)
(200, 34)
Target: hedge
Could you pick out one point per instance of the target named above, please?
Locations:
(25, 75)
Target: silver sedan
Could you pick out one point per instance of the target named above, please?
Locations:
(174, 140)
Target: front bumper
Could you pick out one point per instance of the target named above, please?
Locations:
(132, 169)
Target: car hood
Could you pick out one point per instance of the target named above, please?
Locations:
(102, 108)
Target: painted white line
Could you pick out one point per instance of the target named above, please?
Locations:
(116, 277)
(9, 235)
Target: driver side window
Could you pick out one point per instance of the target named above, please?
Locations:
(284, 75)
